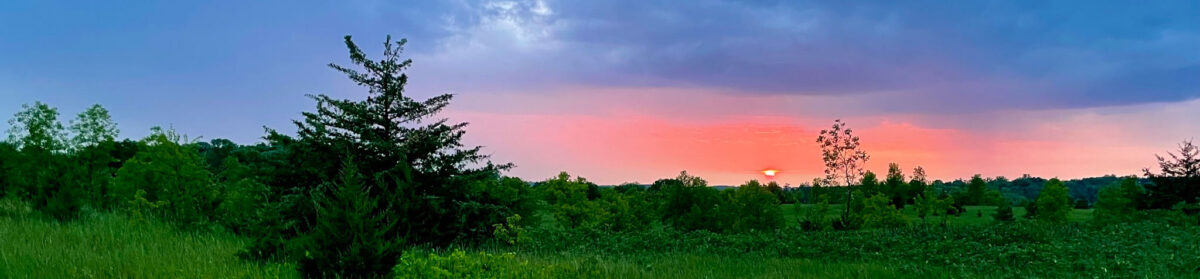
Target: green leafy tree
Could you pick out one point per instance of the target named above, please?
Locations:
(1117, 202)
(36, 128)
(870, 184)
(568, 201)
(931, 204)
(689, 204)
(624, 212)
(169, 171)
(43, 172)
(895, 187)
(37, 135)
(843, 159)
(977, 191)
(93, 143)
(752, 206)
(1053, 203)
(817, 191)
(242, 194)
(92, 127)
(916, 186)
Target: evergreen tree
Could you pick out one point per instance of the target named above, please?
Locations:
(1178, 181)
(351, 236)
(394, 138)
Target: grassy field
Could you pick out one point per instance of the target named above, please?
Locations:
(583, 265)
(975, 215)
(110, 246)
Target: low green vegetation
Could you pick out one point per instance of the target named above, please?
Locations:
(114, 246)
(460, 264)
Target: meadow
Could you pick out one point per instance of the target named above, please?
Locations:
(112, 245)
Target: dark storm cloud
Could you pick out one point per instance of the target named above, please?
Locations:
(974, 54)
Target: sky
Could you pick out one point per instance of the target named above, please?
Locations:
(633, 91)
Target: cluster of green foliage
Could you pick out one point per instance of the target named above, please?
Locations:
(488, 264)
(460, 264)
(684, 202)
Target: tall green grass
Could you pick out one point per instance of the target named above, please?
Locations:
(460, 264)
(111, 246)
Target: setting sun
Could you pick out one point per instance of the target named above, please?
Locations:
(770, 173)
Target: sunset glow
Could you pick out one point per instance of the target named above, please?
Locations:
(769, 173)
(996, 89)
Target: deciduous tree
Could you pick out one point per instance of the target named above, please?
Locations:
(844, 160)
(1053, 203)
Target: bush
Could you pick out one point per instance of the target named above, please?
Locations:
(816, 217)
(689, 204)
(1116, 202)
(169, 172)
(1004, 213)
(753, 207)
(879, 213)
(1053, 203)
(460, 264)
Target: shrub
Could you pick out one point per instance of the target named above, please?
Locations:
(511, 232)
(460, 264)
(173, 173)
(1053, 203)
(816, 217)
(1115, 203)
(1004, 213)
(878, 212)
(689, 204)
(753, 207)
